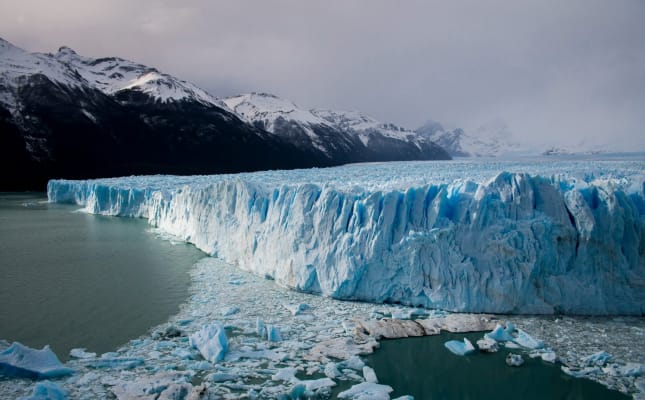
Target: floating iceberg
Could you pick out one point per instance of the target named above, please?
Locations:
(460, 348)
(211, 341)
(367, 391)
(22, 361)
(597, 359)
(502, 237)
(112, 361)
(514, 360)
(81, 353)
(487, 345)
(499, 334)
(46, 390)
(369, 374)
(528, 341)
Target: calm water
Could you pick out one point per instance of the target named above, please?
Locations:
(425, 369)
(69, 279)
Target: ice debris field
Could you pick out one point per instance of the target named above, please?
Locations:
(219, 346)
(538, 237)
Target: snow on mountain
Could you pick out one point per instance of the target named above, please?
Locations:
(366, 127)
(284, 118)
(112, 75)
(267, 108)
(16, 63)
(109, 75)
(490, 140)
(361, 138)
(503, 237)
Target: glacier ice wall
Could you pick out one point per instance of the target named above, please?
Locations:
(414, 233)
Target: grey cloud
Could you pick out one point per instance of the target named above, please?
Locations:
(550, 69)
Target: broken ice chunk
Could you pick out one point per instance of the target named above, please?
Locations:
(46, 390)
(487, 345)
(369, 375)
(528, 341)
(316, 384)
(230, 311)
(514, 360)
(81, 353)
(287, 374)
(22, 361)
(632, 369)
(545, 354)
(353, 362)
(499, 334)
(163, 385)
(331, 370)
(112, 360)
(296, 309)
(273, 333)
(367, 391)
(460, 348)
(260, 328)
(211, 342)
(598, 359)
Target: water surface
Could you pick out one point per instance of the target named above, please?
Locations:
(424, 368)
(70, 279)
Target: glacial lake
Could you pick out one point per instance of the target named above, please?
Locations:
(69, 279)
(424, 368)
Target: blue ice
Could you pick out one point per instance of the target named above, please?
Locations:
(22, 361)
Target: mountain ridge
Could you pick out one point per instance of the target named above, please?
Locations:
(66, 115)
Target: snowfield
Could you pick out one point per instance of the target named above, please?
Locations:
(536, 237)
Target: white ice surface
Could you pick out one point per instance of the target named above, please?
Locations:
(507, 237)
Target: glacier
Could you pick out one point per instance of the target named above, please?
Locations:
(528, 236)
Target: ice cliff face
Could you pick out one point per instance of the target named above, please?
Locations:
(530, 240)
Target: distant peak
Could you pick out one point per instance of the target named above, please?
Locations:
(264, 94)
(66, 50)
(6, 45)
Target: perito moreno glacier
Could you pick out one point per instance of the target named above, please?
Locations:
(501, 237)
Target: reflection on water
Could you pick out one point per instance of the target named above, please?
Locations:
(425, 369)
(69, 279)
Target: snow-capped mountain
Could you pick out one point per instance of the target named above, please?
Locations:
(285, 119)
(490, 140)
(113, 75)
(109, 75)
(338, 134)
(66, 115)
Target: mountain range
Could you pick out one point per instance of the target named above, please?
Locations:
(491, 140)
(65, 115)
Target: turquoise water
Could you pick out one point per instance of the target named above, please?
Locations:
(70, 279)
(425, 369)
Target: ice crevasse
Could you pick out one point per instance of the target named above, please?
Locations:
(411, 233)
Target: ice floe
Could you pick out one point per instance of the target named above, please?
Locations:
(211, 341)
(514, 360)
(460, 348)
(46, 390)
(367, 391)
(22, 361)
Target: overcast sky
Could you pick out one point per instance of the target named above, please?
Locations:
(554, 71)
